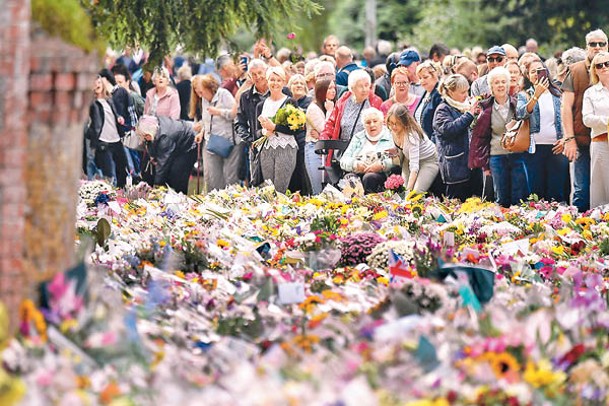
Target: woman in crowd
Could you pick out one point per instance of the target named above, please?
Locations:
(317, 114)
(515, 77)
(510, 179)
(172, 150)
(279, 152)
(103, 137)
(300, 180)
(213, 109)
(417, 154)
(401, 86)
(368, 154)
(345, 118)
(595, 112)
(547, 167)
(429, 75)
(162, 100)
(451, 125)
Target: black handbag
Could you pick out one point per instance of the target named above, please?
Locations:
(217, 144)
(256, 177)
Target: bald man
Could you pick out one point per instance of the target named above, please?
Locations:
(467, 68)
(510, 52)
(344, 65)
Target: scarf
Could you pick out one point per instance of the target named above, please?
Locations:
(462, 107)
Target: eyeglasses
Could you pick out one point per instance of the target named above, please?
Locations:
(401, 83)
(597, 44)
(494, 59)
(602, 65)
(324, 75)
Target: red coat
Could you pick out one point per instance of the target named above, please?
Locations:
(332, 129)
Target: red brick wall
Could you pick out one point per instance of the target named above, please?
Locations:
(44, 97)
(14, 70)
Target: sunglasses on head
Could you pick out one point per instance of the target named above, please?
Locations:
(494, 58)
(597, 44)
(602, 65)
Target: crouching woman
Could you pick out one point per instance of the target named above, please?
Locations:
(369, 154)
(170, 151)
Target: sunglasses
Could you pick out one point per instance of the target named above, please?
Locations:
(602, 65)
(597, 44)
(494, 59)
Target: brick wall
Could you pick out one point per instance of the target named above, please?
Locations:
(14, 70)
(45, 90)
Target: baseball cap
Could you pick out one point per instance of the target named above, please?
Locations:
(496, 50)
(408, 57)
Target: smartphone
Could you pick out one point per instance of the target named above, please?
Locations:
(542, 73)
(243, 60)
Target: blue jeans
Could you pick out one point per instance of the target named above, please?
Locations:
(510, 178)
(548, 173)
(313, 163)
(581, 179)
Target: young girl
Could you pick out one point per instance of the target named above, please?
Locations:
(418, 156)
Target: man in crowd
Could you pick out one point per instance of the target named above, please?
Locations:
(410, 59)
(344, 65)
(495, 56)
(578, 150)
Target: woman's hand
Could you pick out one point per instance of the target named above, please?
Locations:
(374, 168)
(214, 111)
(267, 124)
(570, 150)
(475, 107)
(199, 137)
(558, 147)
(359, 167)
(329, 105)
(198, 126)
(487, 172)
(541, 86)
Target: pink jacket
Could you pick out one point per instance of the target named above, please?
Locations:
(168, 105)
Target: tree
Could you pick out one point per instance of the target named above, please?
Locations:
(197, 25)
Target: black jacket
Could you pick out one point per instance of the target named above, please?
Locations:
(174, 138)
(279, 128)
(96, 121)
(246, 122)
(120, 97)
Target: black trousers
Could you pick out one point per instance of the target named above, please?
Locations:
(112, 160)
(177, 176)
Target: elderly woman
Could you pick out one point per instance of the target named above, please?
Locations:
(418, 155)
(595, 113)
(162, 100)
(279, 152)
(451, 124)
(300, 180)
(547, 167)
(317, 114)
(170, 146)
(510, 178)
(213, 109)
(429, 75)
(345, 118)
(368, 154)
(515, 77)
(401, 86)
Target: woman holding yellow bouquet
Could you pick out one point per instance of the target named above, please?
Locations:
(280, 121)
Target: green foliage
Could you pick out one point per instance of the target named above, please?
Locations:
(67, 20)
(197, 25)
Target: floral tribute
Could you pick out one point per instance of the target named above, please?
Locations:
(213, 298)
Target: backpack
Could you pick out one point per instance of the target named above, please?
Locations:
(137, 102)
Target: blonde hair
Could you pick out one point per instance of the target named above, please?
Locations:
(593, 73)
(277, 70)
(399, 71)
(452, 83)
(431, 67)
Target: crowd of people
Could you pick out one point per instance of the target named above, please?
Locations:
(436, 119)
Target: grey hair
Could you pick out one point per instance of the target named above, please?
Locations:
(185, 72)
(498, 71)
(257, 63)
(223, 60)
(161, 70)
(572, 55)
(323, 64)
(357, 75)
(598, 33)
(372, 111)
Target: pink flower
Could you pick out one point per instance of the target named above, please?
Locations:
(394, 182)
(291, 35)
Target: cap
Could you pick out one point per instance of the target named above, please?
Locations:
(408, 57)
(496, 50)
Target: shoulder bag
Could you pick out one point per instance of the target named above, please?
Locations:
(517, 136)
(217, 144)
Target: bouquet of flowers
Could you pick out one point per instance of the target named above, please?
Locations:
(395, 183)
(291, 117)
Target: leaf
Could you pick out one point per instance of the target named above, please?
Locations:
(102, 232)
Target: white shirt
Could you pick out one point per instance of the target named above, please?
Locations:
(547, 129)
(109, 133)
(595, 109)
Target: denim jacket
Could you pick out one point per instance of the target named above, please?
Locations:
(522, 113)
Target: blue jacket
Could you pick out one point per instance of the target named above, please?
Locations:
(522, 113)
(350, 155)
(451, 131)
(342, 76)
(429, 108)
